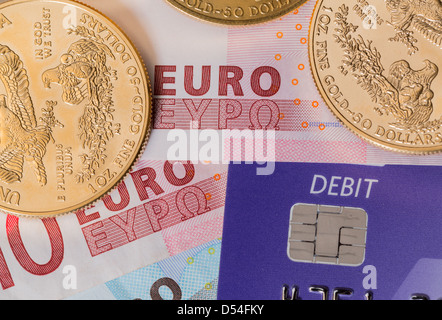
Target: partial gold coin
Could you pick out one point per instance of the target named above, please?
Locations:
(237, 12)
(75, 106)
(377, 65)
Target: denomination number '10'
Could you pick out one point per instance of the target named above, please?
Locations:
(22, 255)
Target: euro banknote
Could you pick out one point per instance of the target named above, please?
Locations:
(190, 275)
(160, 210)
(216, 86)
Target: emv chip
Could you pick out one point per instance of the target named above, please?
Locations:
(327, 234)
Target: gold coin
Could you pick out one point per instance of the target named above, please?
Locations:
(75, 106)
(377, 66)
(237, 12)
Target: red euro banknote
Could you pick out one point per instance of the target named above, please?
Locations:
(160, 210)
(215, 86)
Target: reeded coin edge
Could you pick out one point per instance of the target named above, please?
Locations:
(142, 144)
(347, 124)
(233, 23)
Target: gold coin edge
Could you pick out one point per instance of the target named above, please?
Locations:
(233, 23)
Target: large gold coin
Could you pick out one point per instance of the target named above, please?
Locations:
(377, 64)
(237, 12)
(75, 106)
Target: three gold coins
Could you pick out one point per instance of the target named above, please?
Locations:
(76, 104)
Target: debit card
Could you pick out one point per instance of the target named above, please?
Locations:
(332, 232)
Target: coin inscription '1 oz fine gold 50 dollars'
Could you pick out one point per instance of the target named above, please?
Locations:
(237, 12)
(377, 65)
(75, 106)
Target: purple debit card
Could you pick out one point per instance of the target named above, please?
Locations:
(332, 231)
